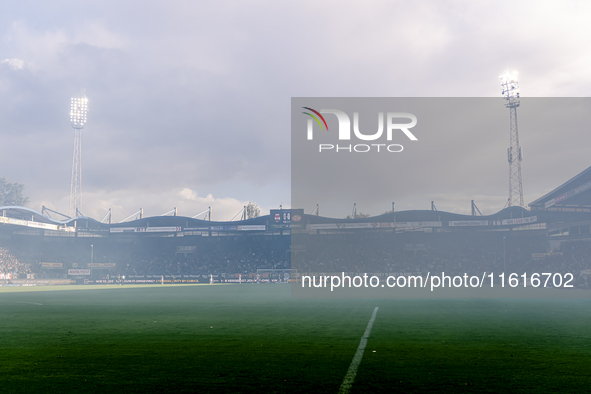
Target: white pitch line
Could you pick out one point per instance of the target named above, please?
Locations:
(25, 302)
(352, 372)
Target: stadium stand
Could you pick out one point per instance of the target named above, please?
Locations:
(516, 239)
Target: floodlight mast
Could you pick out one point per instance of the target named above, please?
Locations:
(510, 93)
(78, 111)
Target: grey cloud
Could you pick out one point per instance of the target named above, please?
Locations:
(197, 94)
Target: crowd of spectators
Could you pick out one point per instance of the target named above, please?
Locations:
(571, 257)
(11, 267)
(417, 253)
(390, 253)
(155, 255)
(240, 254)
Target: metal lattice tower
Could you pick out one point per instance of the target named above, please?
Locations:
(510, 87)
(78, 110)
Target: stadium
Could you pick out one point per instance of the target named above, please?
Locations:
(38, 249)
(410, 301)
(391, 103)
(151, 283)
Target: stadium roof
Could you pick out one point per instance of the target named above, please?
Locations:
(23, 213)
(31, 218)
(431, 215)
(576, 192)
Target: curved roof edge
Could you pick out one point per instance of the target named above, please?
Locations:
(424, 215)
(24, 213)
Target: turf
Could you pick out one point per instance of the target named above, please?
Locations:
(256, 338)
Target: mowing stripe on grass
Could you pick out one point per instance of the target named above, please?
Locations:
(352, 372)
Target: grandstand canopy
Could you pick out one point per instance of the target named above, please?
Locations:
(572, 196)
(23, 213)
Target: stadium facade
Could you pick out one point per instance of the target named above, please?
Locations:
(176, 248)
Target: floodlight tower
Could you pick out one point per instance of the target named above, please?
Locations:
(78, 110)
(510, 87)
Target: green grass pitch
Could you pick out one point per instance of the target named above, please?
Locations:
(257, 339)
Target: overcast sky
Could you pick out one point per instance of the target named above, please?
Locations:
(189, 102)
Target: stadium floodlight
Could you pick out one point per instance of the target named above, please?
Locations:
(78, 111)
(510, 92)
(510, 86)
